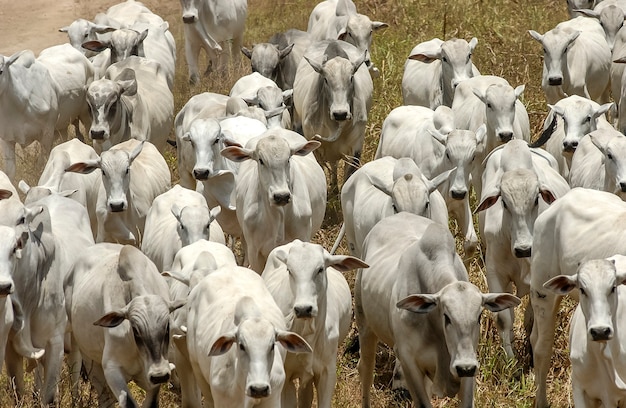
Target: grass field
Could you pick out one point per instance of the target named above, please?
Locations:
(504, 49)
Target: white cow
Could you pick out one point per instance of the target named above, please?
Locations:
(176, 219)
(577, 60)
(232, 307)
(28, 107)
(600, 162)
(119, 311)
(490, 100)
(332, 98)
(339, 20)
(10, 203)
(51, 234)
(610, 14)
(132, 101)
(257, 90)
(584, 224)
(433, 70)
(519, 183)
(308, 287)
(574, 6)
(596, 331)
(199, 141)
(281, 192)
(278, 59)
(133, 174)
(414, 270)
(429, 138)
(209, 24)
(54, 179)
(384, 187)
(575, 117)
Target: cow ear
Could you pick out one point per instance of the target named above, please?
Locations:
(228, 139)
(214, 212)
(315, 65)
(176, 275)
(519, 91)
(287, 97)
(176, 211)
(419, 303)
(600, 140)
(487, 202)
(96, 45)
(344, 263)
(111, 319)
(588, 13)
(67, 193)
(222, 345)
(427, 56)
(562, 284)
(305, 148)
(247, 52)
(293, 342)
(438, 136)
(30, 214)
(547, 195)
(481, 133)
(285, 51)
(357, 64)
(473, 43)
(84, 167)
(439, 180)
(129, 86)
(236, 153)
(602, 110)
(103, 29)
(480, 95)
(23, 186)
(377, 25)
(64, 29)
(176, 304)
(558, 110)
(497, 302)
(136, 151)
(4, 194)
(142, 36)
(535, 35)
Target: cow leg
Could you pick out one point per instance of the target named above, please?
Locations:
(288, 396)
(117, 383)
(75, 362)
(498, 283)
(544, 306)
(192, 50)
(466, 392)
(15, 371)
(190, 393)
(235, 50)
(52, 368)
(581, 399)
(367, 360)
(325, 383)
(8, 158)
(352, 165)
(305, 394)
(460, 211)
(152, 398)
(415, 378)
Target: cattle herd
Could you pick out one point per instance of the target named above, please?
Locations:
(109, 268)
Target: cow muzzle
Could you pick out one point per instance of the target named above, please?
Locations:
(281, 199)
(622, 186)
(601, 333)
(458, 194)
(341, 115)
(258, 390)
(523, 252)
(201, 174)
(570, 147)
(97, 134)
(555, 81)
(506, 136)
(6, 288)
(189, 18)
(117, 206)
(466, 370)
(304, 311)
(159, 374)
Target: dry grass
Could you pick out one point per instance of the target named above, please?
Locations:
(504, 49)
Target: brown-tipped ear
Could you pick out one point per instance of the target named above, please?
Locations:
(236, 153)
(547, 195)
(293, 342)
(95, 46)
(486, 203)
(84, 167)
(497, 302)
(345, 263)
(177, 304)
(111, 319)
(247, 52)
(222, 345)
(4, 194)
(562, 284)
(419, 303)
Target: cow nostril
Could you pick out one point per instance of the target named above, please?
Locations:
(97, 134)
(622, 186)
(555, 81)
(458, 195)
(523, 252)
(259, 391)
(201, 174)
(468, 370)
(340, 115)
(116, 207)
(506, 136)
(601, 333)
(281, 198)
(570, 146)
(6, 289)
(303, 311)
(189, 19)
(159, 379)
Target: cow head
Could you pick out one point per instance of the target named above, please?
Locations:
(611, 19)
(11, 245)
(81, 31)
(115, 166)
(272, 154)
(500, 100)
(123, 43)
(307, 265)
(255, 338)
(194, 222)
(556, 43)
(459, 306)
(265, 58)
(612, 144)
(597, 282)
(204, 137)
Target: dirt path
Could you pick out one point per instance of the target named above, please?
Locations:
(34, 24)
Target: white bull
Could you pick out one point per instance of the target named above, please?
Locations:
(281, 192)
(237, 339)
(133, 174)
(584, 224)
(308, 287)
(434, 69)
(119, 311)
(393, 295)
(577, 60)
(384, 187)
(518, 184)
(596, 331)
(332, 98)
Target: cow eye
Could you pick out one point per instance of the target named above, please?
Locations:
(216, 141)
(104, 173)
(582, 292)
(447, 319)
(545, 51)
(427, 204)
(504, 204)
(448, 155)
(21, 221)
(444, 59)
(261, 162)
(609, 156)
(536, 200)
(127, 170)
(613, 289)
(320, 270)
(588, 119)
(242, 347)
(489, 106)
